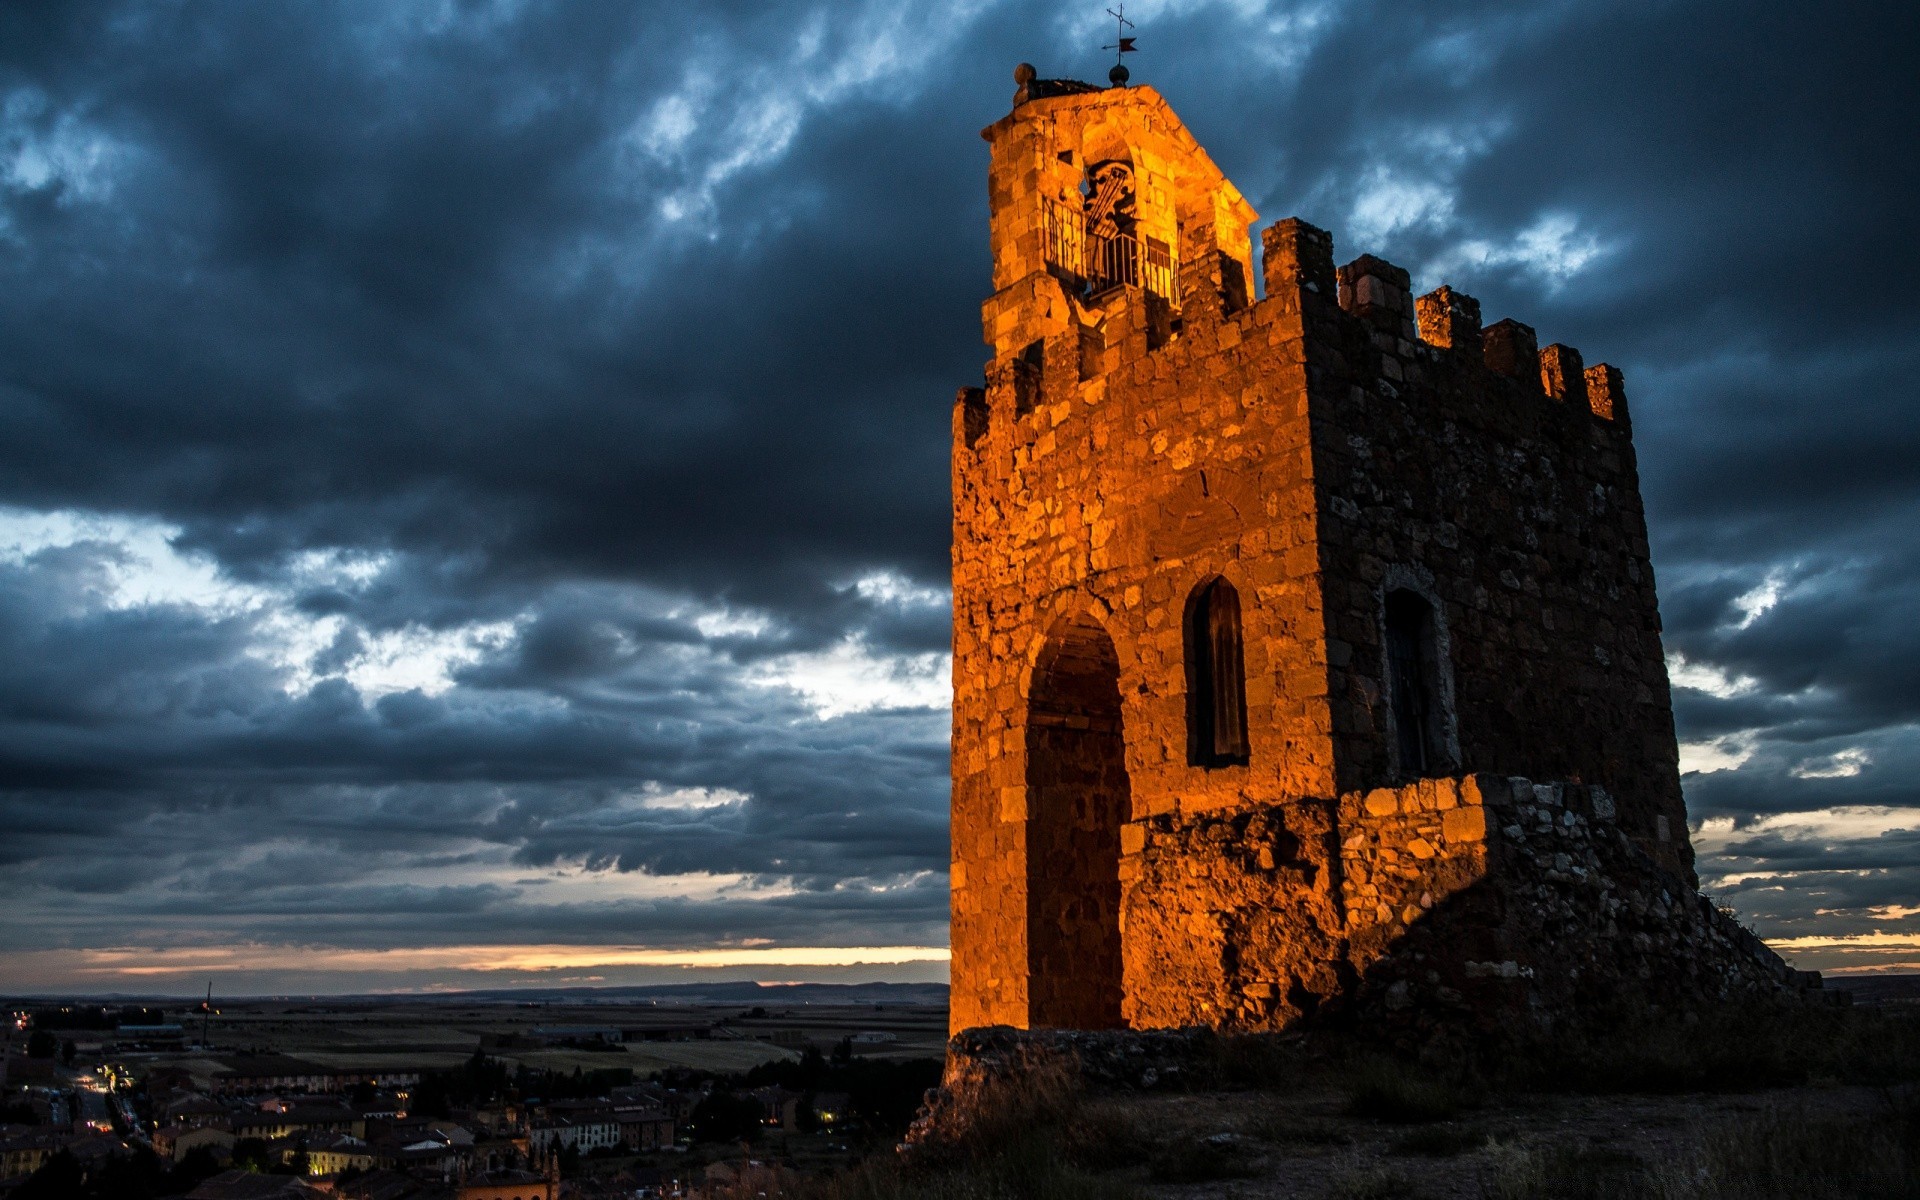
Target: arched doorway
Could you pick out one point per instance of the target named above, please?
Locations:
(1077, 799)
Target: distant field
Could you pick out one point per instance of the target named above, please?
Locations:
(644, 1058)
(422, 1035)
(386, 1062)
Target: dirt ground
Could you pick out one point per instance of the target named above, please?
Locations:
(1269, 1147)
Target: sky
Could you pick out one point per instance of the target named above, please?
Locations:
(473, 476)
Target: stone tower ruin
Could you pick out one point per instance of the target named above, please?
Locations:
(1306, 649)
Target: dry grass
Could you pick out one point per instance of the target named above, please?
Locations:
(1035, 1135)
(1260, 1060)
(1201, 1160)
(1402, 1093)
(1373, 1183)
(1026, 1134)
(1780, 1155)
(1735, 1048)
(1280, 1124)
(1028, 1169)
(1438, 1141)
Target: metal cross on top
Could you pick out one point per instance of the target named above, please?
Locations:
(1122, 45)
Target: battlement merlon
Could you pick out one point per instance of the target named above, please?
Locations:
(1097, 188)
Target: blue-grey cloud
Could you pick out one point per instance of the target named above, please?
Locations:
(459, 455)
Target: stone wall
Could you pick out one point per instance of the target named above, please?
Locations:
(1499, 901)
(1498, 481)
(1482, 900)
(1232, 919)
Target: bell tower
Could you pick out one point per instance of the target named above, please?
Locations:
(1098, 194)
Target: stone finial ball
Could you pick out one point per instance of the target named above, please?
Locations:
(1119, 75)
(1024, 74)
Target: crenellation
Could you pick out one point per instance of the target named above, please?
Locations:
(1379, 293)
(1606, 393)
(1296, 257)
(1449, 320)
(1562, 375)
(1511, 349)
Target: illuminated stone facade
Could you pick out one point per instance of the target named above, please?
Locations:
(1248, 594)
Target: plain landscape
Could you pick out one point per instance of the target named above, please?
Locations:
(810, 1090)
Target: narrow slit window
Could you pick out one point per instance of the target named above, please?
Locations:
(1411, 674)
(1216, 678)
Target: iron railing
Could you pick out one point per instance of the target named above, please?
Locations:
(1100, 260)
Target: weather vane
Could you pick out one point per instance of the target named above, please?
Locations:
(1122, 45)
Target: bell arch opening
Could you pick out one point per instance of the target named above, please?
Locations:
(1078, 797)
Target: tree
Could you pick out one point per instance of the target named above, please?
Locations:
(59, 1178)
(68, 1052)
(250, 1154)
(42, 1044)
(724, 1117)
(476, 1081)
(194, 1168)
(135, 1176)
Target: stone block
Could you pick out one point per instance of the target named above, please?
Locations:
(1512, 350)
(1606, 392)
(1297, 256)
(1464, 825)
(1379, 293)
(1562, 375)
(1449, 320)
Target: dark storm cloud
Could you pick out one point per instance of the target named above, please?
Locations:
(598, 357)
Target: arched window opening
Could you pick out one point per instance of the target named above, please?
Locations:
(1216, 677)
(1078, 797)
(1413, 674)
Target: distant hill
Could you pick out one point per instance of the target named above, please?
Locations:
(1887, 988)
(744, 991)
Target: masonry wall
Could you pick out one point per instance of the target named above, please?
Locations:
(1499, 481)
(1534, 908)
(1112, 500)
(1480, 900)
